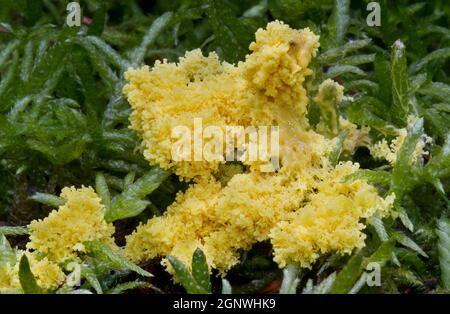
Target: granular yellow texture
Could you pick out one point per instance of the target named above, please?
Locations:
(9, 279)
(58, 238)
(382, 150)
(389, 152)
(48, 274)
(264, 90)
(330, 222)
(329, 96)
(303, 208)
(61, 234)
(355, 137)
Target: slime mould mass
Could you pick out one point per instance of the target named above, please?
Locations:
(305, 208)
(57, 239)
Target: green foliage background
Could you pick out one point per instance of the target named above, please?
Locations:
(64, 121)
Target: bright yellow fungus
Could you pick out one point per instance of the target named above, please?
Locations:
(381, 149)
(304, 208)
(58, 238)
(48, 274)
(355, 137)
(389, 152)
(330, 222)
(329, 96)
(61, 235)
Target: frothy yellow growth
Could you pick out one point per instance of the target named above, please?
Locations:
(173, 95)
(9, 279)
(48, 274)
(329, 222)
(329, 96)
(389, 152)
(183, 223)
(383, 150)
(266, 89)
(355, 137)
(61, 235)
(278, 65)
(225, 216)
